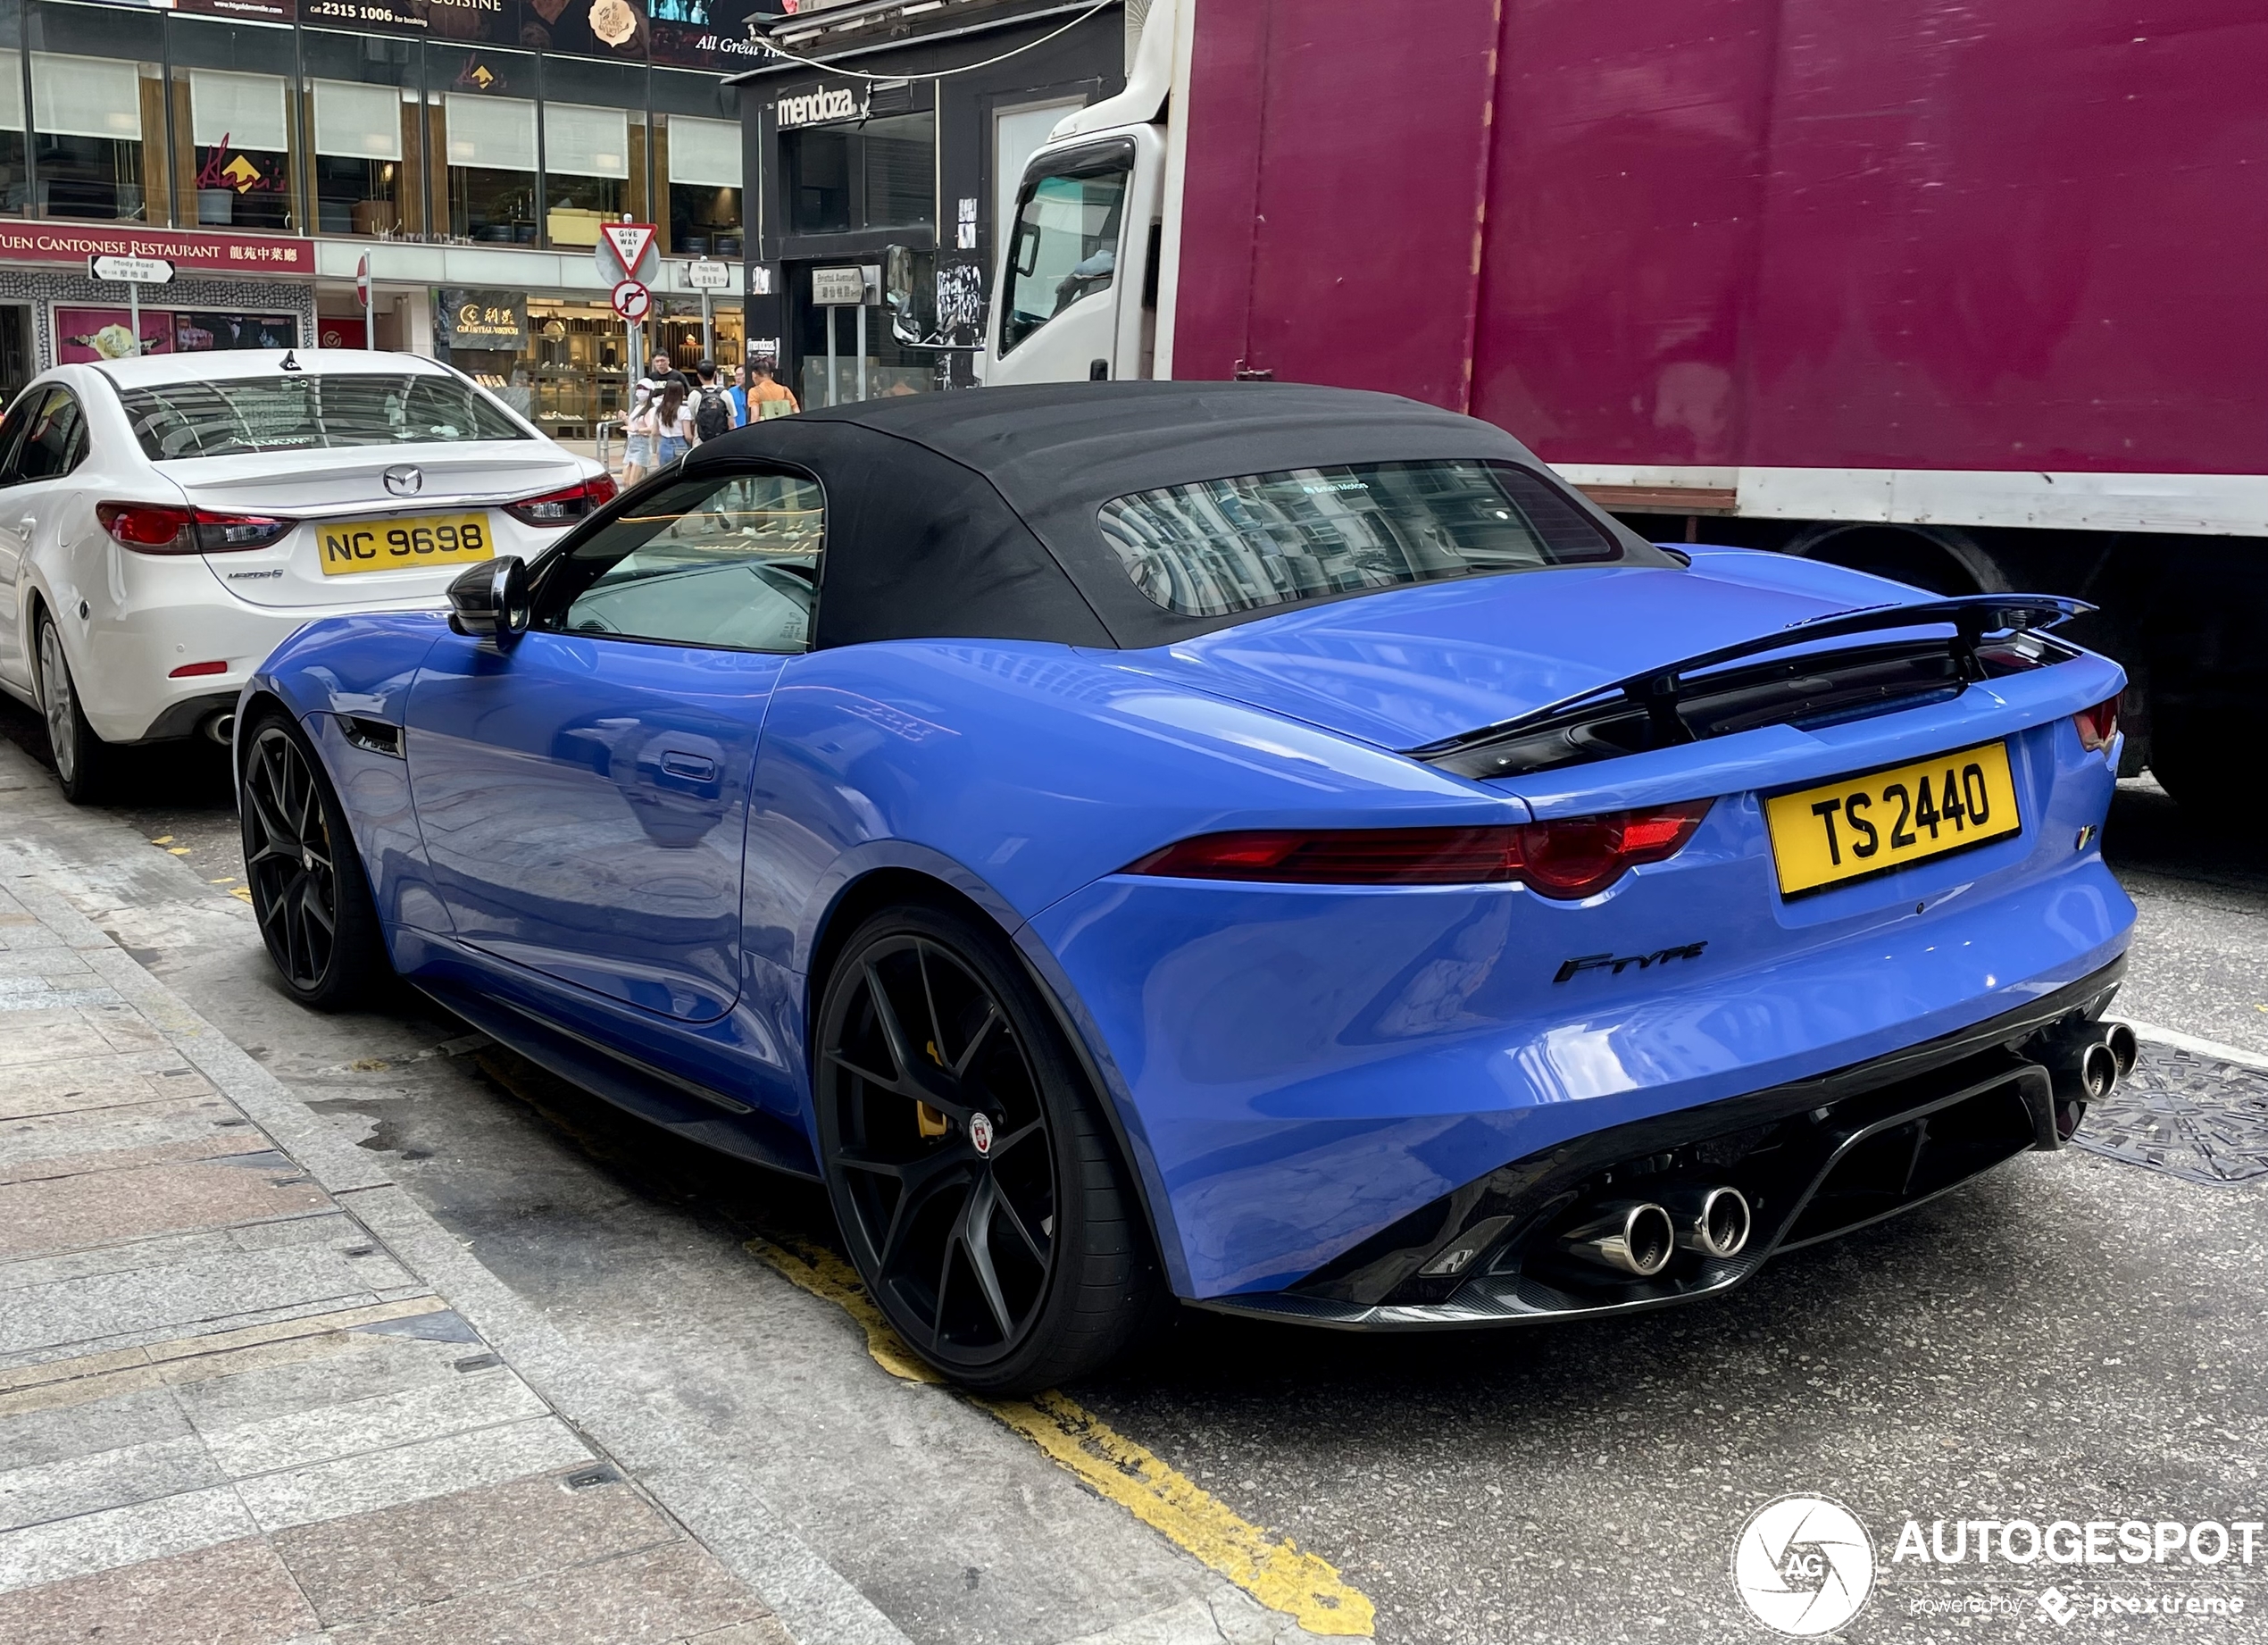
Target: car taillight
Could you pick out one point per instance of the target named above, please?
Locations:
(567, 505)
(2098, 725)
(159, 527)
(1573, 858)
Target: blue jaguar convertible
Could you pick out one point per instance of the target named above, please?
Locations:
(1273, 848)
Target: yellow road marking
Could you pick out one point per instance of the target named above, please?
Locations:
(178, 850)
(242, 893)
(162, 839)
(1272, 1569)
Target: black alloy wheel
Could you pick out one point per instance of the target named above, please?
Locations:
(308, 885)
(970, 1170)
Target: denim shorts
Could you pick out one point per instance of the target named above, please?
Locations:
(672, 449)
(639, 450)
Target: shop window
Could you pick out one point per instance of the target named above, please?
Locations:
(703, 160)
(594, 147)
(242, 143)
(696, 165)
(236, 162)
(364, 101)
(487, 144)
(587, 171)
(13, 185)
(881, 175)
(89, 118)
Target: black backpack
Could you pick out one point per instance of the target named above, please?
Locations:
(713, 417)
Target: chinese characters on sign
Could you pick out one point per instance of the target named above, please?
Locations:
(499, 319)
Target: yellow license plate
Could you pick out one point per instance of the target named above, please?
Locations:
(355, 546)
(1859, 826)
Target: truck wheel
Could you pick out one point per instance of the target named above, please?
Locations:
(85, 764)
(306, 876)
(2194, 756)
(970, 1169)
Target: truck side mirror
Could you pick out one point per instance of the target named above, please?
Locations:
(909, 291)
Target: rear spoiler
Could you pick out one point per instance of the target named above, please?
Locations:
(1974, 618)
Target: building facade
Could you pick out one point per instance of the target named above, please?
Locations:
(884, 136)
(468, 149)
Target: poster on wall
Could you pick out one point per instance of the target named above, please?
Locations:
(586, 28)
(193, 333)
(83, 336)
(711, 34)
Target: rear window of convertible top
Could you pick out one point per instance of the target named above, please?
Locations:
(1217, 547)
(242, 415)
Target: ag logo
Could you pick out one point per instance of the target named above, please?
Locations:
(1804, 1564)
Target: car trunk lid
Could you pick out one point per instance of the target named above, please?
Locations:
(378, 490)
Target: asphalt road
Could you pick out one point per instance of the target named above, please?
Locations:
(2073, 1338)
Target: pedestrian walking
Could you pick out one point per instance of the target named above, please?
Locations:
(768, 398)
(711, 405)
(638, 429)
(672, 421)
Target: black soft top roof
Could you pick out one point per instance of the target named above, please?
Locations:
(973, 514)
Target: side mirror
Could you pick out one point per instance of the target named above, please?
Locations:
(909, 288)
(490, 601)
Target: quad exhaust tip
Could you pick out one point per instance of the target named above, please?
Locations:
(1634, 1237)
(1710, 1222)
(2124, 1046)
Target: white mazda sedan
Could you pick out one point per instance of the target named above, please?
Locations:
(166, 522)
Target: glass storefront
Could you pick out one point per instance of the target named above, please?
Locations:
(559, 361)
(122, 113)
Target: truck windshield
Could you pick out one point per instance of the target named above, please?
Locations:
(234, 415)
(1066, 243)
(1223, 546)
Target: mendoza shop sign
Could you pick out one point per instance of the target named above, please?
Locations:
(234, 254)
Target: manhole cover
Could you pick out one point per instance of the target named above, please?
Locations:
(2193, 1117)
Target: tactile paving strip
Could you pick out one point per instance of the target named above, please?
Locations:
(2191, 1117)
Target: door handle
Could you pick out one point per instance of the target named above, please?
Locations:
(692, 767)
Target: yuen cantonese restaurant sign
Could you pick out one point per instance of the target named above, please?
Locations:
(233, 253)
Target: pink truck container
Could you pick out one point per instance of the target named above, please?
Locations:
(1973, 296)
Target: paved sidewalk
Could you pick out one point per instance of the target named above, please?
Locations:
(231, 1409)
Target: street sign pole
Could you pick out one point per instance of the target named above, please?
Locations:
(131, 273)
(362, 292)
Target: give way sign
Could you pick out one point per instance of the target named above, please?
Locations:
(627, 251)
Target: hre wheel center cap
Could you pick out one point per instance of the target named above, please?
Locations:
(980, 1133)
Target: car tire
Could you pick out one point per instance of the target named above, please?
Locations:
(308, 887)
(1060, 1278)
(86, 766)
(2192, 755)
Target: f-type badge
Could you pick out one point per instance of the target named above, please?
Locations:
(1619, 963)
